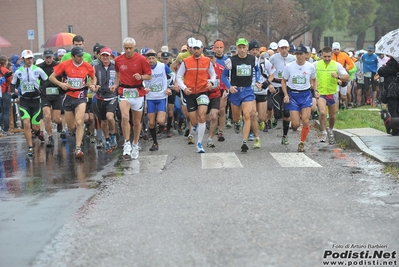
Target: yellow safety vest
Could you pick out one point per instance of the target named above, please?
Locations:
(326, 85)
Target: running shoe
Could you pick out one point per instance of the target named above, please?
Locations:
(301, 147)
(237, 127)
(79, 153)
(100, 144)
(284, 140)
(331, 139)
(114, 144)
(244, 147)
(92, 139)
(169, 134)
(323, 137)
(251, 136)
(41, 137)
(210, 143)
(228, 123)
(220, 137)
(50, 142)
(63, 135)
(135, 151)
(59, 127)
(31, 152)
(191, 140)
(261, 126)
(108, 146)
(127, 149)
(274, 123)
(257, 143)
(200, 149)
(154, 147)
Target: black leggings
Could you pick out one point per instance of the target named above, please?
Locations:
(275, 101)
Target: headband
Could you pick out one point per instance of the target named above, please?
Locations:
(219, 43)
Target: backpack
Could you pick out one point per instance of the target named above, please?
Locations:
(393, 88)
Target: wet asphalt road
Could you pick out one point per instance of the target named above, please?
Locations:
(175, 207)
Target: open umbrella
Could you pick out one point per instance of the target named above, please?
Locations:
(389, 44)
(4, 42)
(59, 39)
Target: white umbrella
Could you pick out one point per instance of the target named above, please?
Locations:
(389, 44)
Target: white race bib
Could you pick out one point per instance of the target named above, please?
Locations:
(130, 93)
(202, 100)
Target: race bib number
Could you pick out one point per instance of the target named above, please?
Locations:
(156, 88)
(299, 80)
(111, 78)
(28, 87)
(130, 93)
(280, 74)
(367, 74)
(216, 84)
(244, 70)
(203, 100)
(52, 91)
(75, 83)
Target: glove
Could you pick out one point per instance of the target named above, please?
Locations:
(14, 95)
(8, 74)
(265, 84)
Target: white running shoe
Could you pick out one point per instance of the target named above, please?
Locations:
(127, 149)
(135, 151)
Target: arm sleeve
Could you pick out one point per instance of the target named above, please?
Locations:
(257, 73)
(224, 78)
(212, 73)
(179, 76)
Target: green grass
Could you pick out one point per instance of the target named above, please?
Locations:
(362, 117)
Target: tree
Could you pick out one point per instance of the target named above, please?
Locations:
(386, 18)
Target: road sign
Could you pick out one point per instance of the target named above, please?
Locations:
(31, 35)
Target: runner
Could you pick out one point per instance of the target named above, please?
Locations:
(196, 86)
(328, 74)
(157, 95)
(76, 70)
(241, 94)
(106, 101)
(298, 79)
(26, 78)
(50, 96)
(279, 61)
(131, 70)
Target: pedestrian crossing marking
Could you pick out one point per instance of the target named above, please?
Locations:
(145, 164)
(220, 161)
(294, 160)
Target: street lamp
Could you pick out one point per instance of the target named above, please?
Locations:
(165, 26)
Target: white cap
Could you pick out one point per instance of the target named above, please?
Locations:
(273, 46)
(197, 43)
(165, 48)
(336, 45)
(190, 41)
(314, 50)
(26, 54)
(39, 60)
(61, 51)
(350, 54)
(283, 43)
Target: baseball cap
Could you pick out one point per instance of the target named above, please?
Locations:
(166, 55)
(38, 61)
(233, 48)
(209, 53)
(242, 41)
(26, 54)
(144, 50)
(184, 47)
(197, 43)
(95, 47)
(253, 44)
(48, 53)
(336, 45)
(190, 41)
(273, 46)
(370, 48)
(61, 51)
(164, 48)
(301, 49)
(99, 48)
(283, 43)
(77, 51)
(106, 50)
(292, 48)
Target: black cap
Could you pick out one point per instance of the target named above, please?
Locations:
(209, 53)
(98, 49)
(233, 48)
(48, 53)
(77, 50)
(166, 55)
(292, 48)
(253, 44)
(95, 47)
(301, 49)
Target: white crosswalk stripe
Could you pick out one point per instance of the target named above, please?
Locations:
(220, 161)
(294, 160)
(145, 164)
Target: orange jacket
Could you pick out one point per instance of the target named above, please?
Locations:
(196, 75)
(344, 59)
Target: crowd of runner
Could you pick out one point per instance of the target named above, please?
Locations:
(146, 93)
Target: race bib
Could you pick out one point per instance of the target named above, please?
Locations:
(28, 87)
(202, 100)
(280, 74)
(299, 80)
(216, 84)
(156, 88)
(52, 91)
(244, 70)
(130, 93)
(75, 83)
(367, 74)
(111, 78)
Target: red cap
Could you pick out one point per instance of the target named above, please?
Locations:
(106, 50)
